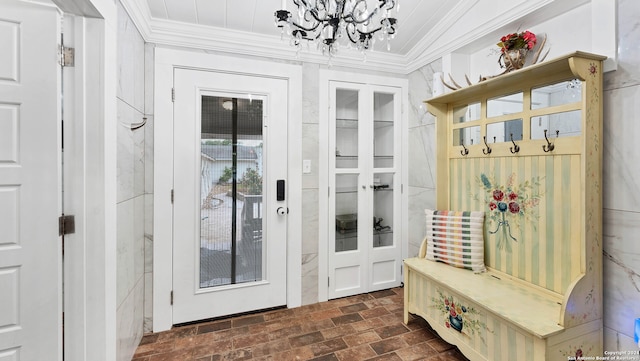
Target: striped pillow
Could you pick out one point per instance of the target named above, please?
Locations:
(456, 238)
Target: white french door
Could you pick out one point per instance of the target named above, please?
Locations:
(30, 248)
(230, 201)
(365, 176)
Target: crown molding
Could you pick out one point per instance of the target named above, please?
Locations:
(446, 22)
(177, 34)
(140, 14)
(430, 53)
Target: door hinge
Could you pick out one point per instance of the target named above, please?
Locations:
(173, 94)
(171, 297)
(328, 281)
(66, 225)
(172, 196)
(66, 56)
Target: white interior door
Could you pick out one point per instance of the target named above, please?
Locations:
(385, 246)
(365, 202)
(30, 248)
(230, 168)
(348, 249)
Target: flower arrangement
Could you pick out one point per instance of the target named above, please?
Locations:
(459, 317)
(514, 48)
(524, 40)
(509, 202)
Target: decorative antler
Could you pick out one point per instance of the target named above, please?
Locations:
(467, 79)
(447, 84)
(536, 59)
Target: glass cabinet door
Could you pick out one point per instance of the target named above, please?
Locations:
(346, 131)
(346, 212)
(383, 209)
(383, 130)
(365, 196)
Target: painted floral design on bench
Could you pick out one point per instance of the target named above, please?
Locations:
(458, 316)
(509, 204)
(576, 352)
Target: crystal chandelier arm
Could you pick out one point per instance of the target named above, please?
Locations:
(311, 10)
(351, 17)
(385, 4)
(284, 17)
(312, 28)
(355, 41)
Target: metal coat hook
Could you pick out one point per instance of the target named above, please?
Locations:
(465, 151)
(549, 146)
(516, 148)
(487, 151)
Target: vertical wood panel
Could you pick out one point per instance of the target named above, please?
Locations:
(529, 227)
(528, 349)
(512, 344)
(538, 251)
(514, 229)
(551, 221)
(576, 218)
(564, 230)
(558, 213)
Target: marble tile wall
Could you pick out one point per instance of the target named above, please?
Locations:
(621, 184)
(148, 188)
(131, 185)
(621, 177)
(310, 181)
(422, 186)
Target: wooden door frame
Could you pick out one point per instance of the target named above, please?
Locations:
(165, 62)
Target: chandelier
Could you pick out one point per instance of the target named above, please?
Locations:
(328, 21)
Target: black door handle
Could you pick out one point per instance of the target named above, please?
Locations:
(280, 190)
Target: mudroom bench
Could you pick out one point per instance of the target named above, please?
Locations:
(511, 265)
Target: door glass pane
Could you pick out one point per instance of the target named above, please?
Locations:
(382, 209)
(346, 128)
(346, 212)
(383, 130)
(231, 247)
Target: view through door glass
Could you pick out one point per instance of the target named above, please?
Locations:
(231, 247)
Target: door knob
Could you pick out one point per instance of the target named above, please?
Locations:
(282, 211)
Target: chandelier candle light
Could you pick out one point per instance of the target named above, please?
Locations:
(328, 21)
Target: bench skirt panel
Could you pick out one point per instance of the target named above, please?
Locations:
(481, 335)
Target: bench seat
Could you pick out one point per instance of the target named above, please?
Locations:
(535, 311)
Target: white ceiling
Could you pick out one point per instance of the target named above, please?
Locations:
(416, 18)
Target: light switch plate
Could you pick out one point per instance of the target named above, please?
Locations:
(306, 166)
